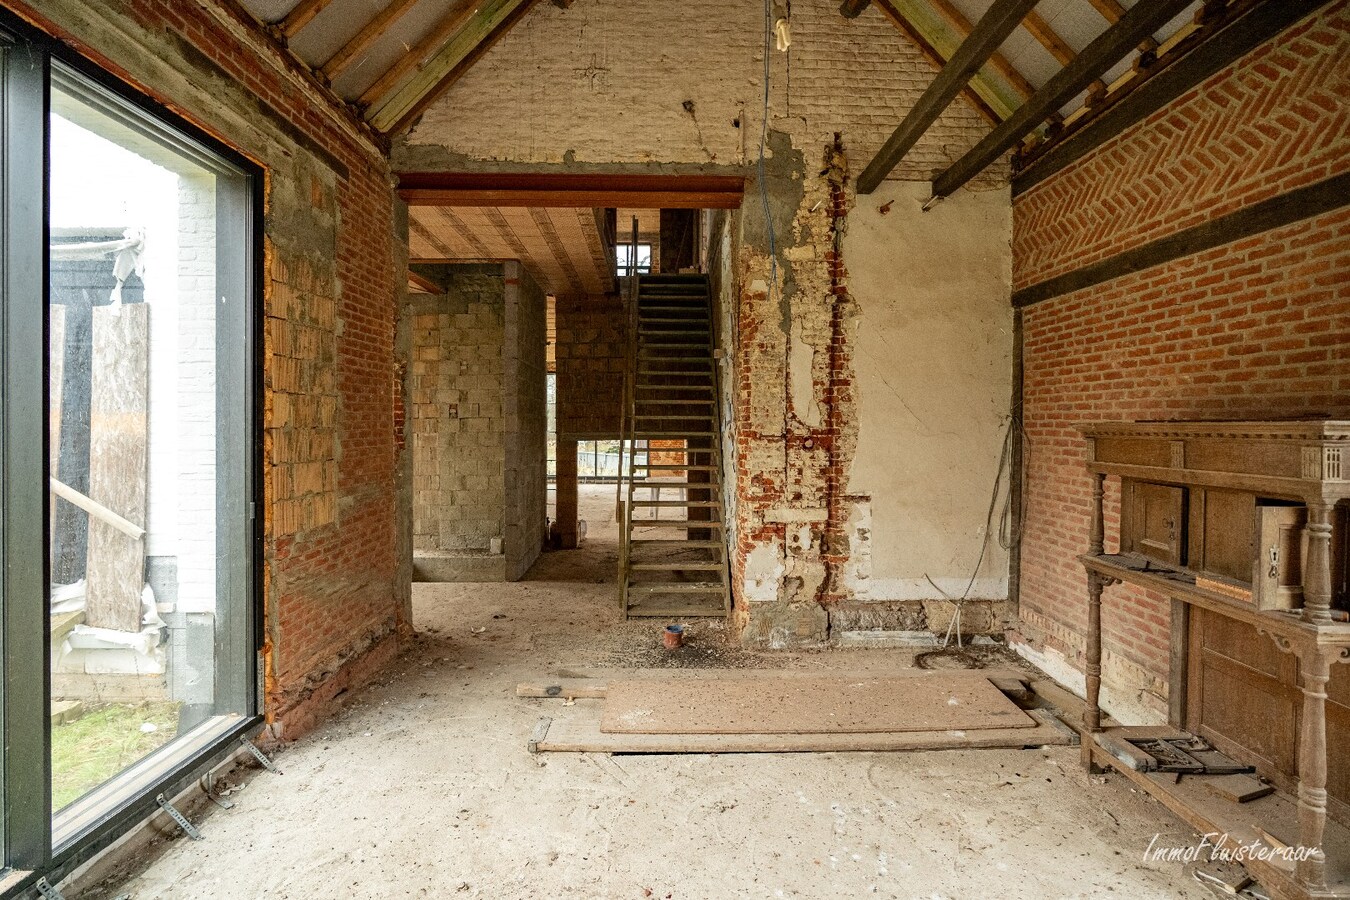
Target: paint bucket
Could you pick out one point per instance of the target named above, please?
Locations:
(673, 636)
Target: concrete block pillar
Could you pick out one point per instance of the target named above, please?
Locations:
(567, 493)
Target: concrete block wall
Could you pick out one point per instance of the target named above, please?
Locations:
(477, 404)
(590, 354)
(1256, 328)
(679, 88)
(526, 418)
(458, 418)
(334, 581)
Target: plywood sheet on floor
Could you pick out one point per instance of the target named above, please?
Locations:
(821, 704)
(576, 729)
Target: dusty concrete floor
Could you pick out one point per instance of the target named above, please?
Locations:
(422, 787)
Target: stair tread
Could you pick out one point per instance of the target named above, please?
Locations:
(676, 543)
(690, 565)
(691, 587)
(678, 523)
(683, 504)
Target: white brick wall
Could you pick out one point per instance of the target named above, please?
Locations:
(606, 81)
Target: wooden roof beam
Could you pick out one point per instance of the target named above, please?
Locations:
(962, 26)
(1139, 22)
(417, 56)
(983, 41)
(978, 93)
(368, 35)
(1046, 36)
(484, 27)
(302, 15)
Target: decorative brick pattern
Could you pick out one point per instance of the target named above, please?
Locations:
(1277, 120)
(1254, 329)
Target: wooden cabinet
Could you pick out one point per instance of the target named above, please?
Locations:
(1245, 526)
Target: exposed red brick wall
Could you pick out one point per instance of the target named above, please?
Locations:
(1277, 120)
(1253, 329)
(335, 597)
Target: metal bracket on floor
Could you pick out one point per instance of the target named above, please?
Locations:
(188, 828)
(49, 891)
(260, 756)
(540, 732)
(208, 788)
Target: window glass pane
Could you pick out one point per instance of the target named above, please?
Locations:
(142, 387)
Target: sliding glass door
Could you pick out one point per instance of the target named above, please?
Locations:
(130, 454)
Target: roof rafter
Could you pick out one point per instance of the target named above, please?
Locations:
(368, 35)
(975, 92)
(961, 25)
(982, 42)
(302, 15)
(484, 27)
(1047, 37)
(417, 56)
(1139, 22)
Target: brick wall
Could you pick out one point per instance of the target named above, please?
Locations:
(608, 81)
(336, 595)
(590, 360)
(1252, 329)
(1275, 121)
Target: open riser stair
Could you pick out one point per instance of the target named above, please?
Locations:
(674, 555)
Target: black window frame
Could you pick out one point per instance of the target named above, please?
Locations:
(26, 824)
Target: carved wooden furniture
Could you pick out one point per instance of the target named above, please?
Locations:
(1244, 526)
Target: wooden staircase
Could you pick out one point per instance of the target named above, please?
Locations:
(673, 561)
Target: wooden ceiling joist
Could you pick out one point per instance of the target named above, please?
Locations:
(302, 15)
(484, 27)
(962, 26)
(364, 38)
(1111, 10)
(1046, 36)
(984, 39)
(978, 93)
(559, 190)
(1139, 22)
(417, 56)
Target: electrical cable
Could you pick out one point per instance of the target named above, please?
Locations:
(763, 141)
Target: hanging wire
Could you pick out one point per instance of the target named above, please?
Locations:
(763, 141)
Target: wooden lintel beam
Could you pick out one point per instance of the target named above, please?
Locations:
(961, 25)
(1139, 22)
(424, 284)
(302, 15)
(851, 9)
(565, 190)
(1047, 37)
(487, 24)
(911, 31)
(368, 35)
(982, 42)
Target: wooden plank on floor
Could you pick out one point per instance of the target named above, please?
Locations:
(576, 729)
(118, 439)
(825, 703)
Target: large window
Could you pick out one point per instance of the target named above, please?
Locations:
(130, 438)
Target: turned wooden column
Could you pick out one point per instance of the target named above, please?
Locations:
(1317, 572)
(1092, 713)
(1312, 768)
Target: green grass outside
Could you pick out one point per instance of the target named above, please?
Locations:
(103, 742)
